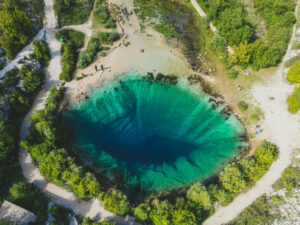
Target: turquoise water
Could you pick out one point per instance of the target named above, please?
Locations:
(161, 136)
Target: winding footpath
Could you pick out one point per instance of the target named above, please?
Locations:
(280, 127)
(93, 208)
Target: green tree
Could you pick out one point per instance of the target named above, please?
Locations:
(198, 194)
(293, 75)
(117, 202)
(161, 213)
(242, 53)
(141, 212)
(16, 28)
(231, 179)
(265, 154)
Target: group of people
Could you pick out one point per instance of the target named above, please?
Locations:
(101, 68)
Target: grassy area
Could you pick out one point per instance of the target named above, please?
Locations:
(73, 12)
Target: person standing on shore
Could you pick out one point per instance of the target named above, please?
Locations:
(96, 69)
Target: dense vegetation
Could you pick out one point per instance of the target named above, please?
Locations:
(102, 16)
(108, 38)
(41, 52)
(230, 19)
(72, 41)
(17, 29)
(293, 76)
(73, 12)
(233, 24)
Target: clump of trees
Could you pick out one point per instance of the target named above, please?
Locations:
(73, 12)
(279, 18)
(32, 79)
(41, 52)
(293, 75)
(16, 27)
(117, 202)
(102, 15)
(72, 41)
(44, 143)
(231, 20)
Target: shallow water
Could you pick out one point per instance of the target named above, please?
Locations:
(161, 136)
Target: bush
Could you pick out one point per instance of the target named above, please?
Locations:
(32, 80)
(117, 202)
(69, 56)
(294, 101)
(86, 57)
(231, 179)
(243, 106)
(68, 35)
(198, 194)
(108, 38)
(41, 52)
(293, 76)
(167, 29)
(73, 40)
(233, 74)
(141, 212)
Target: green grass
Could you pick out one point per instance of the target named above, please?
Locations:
(73, 12)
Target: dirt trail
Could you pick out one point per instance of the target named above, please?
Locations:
(280, 127)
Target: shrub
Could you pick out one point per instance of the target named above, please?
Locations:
(103, 54)
(108, 38)
(32, 80)
(68, 35)
(117, 202)
(232, 179)
(41, 52)
(68, 60)
(167, 29)
(294, 101)
(293, 75)
(243, 106)
(141, 212)
(86, 57)
(265, 154)
(233, 74)
(198, 194)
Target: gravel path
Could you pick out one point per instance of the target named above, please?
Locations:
(93, 208)
(280, 127)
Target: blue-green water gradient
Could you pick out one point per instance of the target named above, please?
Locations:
(162, 136)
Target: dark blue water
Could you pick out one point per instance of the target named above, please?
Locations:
(162, 136)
